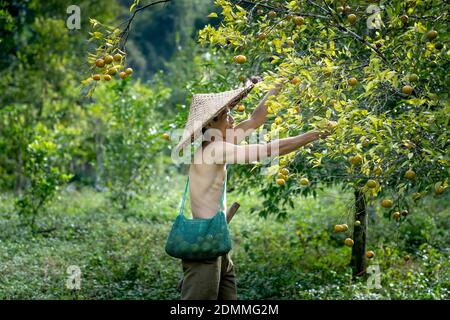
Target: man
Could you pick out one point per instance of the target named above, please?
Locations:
(215, 279)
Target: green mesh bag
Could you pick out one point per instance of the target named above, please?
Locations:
(200, 238)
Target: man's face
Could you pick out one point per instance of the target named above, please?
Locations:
(224, 120)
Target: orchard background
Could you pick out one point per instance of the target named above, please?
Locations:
(87, 120)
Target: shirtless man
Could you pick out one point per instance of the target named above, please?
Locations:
(215, 279)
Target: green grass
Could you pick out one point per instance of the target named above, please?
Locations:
(121, 252)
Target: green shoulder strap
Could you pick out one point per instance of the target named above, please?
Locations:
(181, 212)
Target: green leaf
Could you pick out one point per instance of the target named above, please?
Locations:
(212, 15)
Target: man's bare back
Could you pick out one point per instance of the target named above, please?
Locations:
(206, 183)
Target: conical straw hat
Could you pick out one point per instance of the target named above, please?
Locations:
(204, 107)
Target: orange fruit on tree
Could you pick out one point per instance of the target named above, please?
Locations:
(129, 71)
(166, 136)
(261, 36)
(339, 228)
(432, 34)
(298, 20)
(396, 215)
(345, 226)
(240, 59)
(410, 174)
(351, 18)
(387, 203)
(352, 82)
(413, 77)
(284, 171)
(439, 189)
(281, 182)
(404, 18)
(304, 181)
(340, 9)
(112, 71)
(240, 108)
(349, 242)
(295, 81)
(107, 77)
(370, 254)
(117, 57)
(290, 42)
(356, 159)
(371, 183)
(357, 223)
(108, 59)
(123, 75)
(272, 14)
(347, 9)
(377, 171)
(100, 63)
(96, 77)
(407, 89)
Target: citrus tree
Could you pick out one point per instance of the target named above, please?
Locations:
(377, 68)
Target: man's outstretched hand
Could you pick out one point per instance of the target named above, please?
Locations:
(329, 129)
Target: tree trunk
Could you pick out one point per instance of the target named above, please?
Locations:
(358, 260)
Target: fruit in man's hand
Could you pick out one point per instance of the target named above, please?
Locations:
(387, 203)
(100, 63)
(410, 174)
(407, 89)
(349, 242)
(240, 59)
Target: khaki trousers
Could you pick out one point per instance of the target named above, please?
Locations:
(208, 279)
